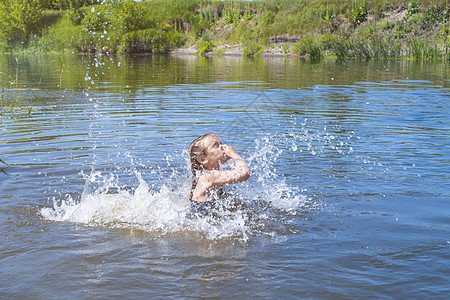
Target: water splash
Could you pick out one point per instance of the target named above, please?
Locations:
(263, 205)
(270, 203)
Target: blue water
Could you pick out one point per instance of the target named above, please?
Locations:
(348, 195)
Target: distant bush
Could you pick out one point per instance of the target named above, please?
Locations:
(66, 4)
(253, 49)
(310, 46)
(19, 19)
(75, 16)
(204, 47)
(96, 19)
(150, 40)
(65, 36)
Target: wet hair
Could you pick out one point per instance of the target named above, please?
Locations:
(196, 149)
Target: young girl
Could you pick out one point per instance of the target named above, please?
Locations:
(207, 154)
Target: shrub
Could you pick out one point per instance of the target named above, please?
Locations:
(127, 16)
(310, 46)
(338, 45)
(19, 19)
(119, 16)
(434, 14)
(359, 12)
(253, 49)
(413, 8)
(97, 19)
(204, 47)
(65, 36)
(66, 4)
(75, 16)
(152, 40)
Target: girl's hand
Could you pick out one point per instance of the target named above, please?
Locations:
(229, 151)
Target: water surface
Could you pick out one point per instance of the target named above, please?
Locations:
(349, 193)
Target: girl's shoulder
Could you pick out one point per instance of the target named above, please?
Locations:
(208, 176)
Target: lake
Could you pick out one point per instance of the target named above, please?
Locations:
(348, 195)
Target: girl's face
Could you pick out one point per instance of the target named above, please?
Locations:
(214, 153)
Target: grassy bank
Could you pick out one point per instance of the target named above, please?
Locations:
(311, 29)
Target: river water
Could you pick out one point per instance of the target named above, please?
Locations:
(348, 195)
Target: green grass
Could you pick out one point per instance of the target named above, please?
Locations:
(342, 28)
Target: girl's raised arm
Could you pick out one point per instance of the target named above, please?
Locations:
(238, 173)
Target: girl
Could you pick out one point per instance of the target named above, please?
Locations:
(207, 154)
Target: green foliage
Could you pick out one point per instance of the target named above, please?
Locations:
(359, 12)
(385, 24)
(121, 17)
(378, 10)
(232, 15)
(413, 8)
(325, 27)
(444, 35)
(362, 46)
(64, 36)
(127, 16)
(309, 46)
(317, 13)
(427, 20)
(150, 40)
(329, 15)
(434, 14)
(338, 45)
(211, 14)
(253, 49)
(75, 16)
(125, 26)
(66, 4)
(3, 47)
(228, 15)
(204, 47)
(96, 19)
(401, 29)
(267, 18)
(19, 19)
(420, 49)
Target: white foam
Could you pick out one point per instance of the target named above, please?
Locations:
(142, 208)
(242, 212)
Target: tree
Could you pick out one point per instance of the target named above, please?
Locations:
(19, 19)
(66, 4)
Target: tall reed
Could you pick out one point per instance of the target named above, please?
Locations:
(419, 49)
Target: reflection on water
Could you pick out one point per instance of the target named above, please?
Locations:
(348, 192)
